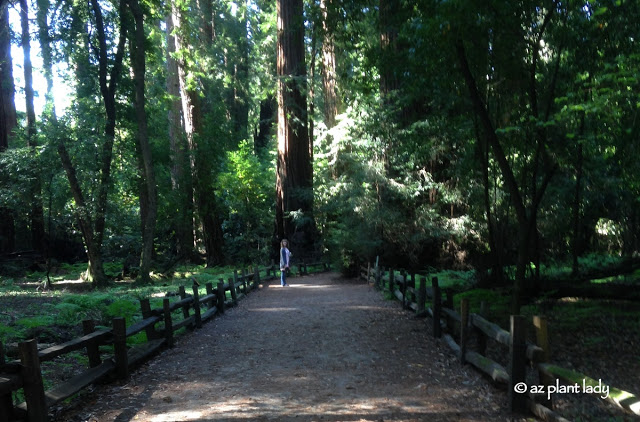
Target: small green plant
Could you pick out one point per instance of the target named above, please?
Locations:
(69, 314)
(124, 308)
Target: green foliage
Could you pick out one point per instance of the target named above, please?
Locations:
(35, 322)
(123, 308)
(246, 188)
(68, 313)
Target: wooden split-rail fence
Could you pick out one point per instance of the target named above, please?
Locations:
(160, 326)
(522, 354)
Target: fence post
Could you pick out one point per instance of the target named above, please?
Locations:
(145, 308)
(196, 306)
(542, 340)
(183, 295)
(221, 296)
(232, 287)
(6, 401)
(256, 278)
(32, 379)
(368, 271)
(120, 347)
(93, 351)
(517, 363)
(378, 277)
(422, 296)
(464, 329)
(6, 407)
(448, 298)
(448, 303)
(168, 323)
(234, 281)
(437, 305)
(209, 288)
(481, 344)
(404, 289)
(245, 277)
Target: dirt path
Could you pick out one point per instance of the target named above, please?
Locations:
(323, 349)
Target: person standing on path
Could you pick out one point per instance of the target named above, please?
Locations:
(285, 255)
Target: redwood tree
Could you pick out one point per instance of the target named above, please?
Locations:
(148, 190)
(294, 179)
(201, 165)
(37, 216)
(7, 118)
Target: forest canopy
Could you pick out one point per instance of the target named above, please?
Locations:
(497, 136)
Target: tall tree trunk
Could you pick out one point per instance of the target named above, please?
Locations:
(180, 181)
(494, 251)
(268, 110)
(37, 215)
(241, 76)
(148, 186)
(294, 179)
(200, 164)
(311, 90)
(575, 241)
(329, 80)
(388, 40)
(8, 120)
(49, 114)
(47, 56)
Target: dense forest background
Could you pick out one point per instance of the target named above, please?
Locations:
(500, 136)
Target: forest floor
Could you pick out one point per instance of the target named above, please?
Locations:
(324, 349)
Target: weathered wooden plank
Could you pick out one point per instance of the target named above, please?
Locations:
(544, 413)
(451, 314)
(488, 366)
(210, 313)
(448, 339)
(142, 351)
(620, 398)
(182, 304)
(142, 325)
(398, 294)
(75, 344)
(184, 323)
(490, 329)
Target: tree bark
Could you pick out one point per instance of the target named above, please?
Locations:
(180, 179)
(294, 179)
(8, 120)
(200, 165)
(149, 196)
(577, 201)
(268, 110)
(329, 80)
(37, 215)
(47, 56)
(388, 39)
